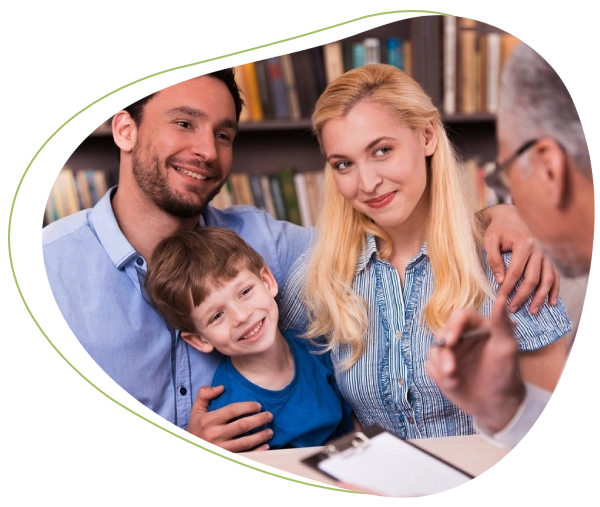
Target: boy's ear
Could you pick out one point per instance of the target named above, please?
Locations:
(124, 131)
(269, 280)
(196, 341)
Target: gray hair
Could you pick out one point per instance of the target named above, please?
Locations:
(536, 103)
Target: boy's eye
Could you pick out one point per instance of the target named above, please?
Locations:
(246, 291)
(215, 317)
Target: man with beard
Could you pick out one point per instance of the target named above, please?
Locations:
(175, 154)
(545, 165)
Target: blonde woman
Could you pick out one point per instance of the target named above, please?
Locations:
(398, 246)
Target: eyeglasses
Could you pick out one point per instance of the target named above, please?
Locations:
(498, 178)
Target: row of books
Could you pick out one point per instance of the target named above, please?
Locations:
(286, 195)
(287, 87)
(458, 62)
(75, 190)
(473, 58)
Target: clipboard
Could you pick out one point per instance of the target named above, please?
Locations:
(378, 461)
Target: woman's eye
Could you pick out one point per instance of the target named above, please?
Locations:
(341, 165)
(383, 151)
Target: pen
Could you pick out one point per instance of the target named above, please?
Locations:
(473, 334)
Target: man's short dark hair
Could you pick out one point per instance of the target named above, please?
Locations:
(227, 76)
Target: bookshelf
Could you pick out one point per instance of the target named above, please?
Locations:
(276, 134)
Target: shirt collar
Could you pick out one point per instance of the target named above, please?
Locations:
(370, 250)
(107, 229)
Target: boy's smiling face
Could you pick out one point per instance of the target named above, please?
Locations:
(238, 319)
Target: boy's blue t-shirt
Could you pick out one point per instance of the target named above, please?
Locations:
(308, 412)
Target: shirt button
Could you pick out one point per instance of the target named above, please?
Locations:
(411, 420)
(182, 391)
(139, 261)
(401, 381)
(399, 335)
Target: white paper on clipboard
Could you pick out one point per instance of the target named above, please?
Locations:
(381, 462)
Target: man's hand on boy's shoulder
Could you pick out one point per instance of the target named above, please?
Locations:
(215, 427)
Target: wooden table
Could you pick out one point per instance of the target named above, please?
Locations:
(472, 453)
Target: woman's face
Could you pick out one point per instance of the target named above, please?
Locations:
(379, 164)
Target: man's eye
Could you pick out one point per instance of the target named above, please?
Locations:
(184, 124)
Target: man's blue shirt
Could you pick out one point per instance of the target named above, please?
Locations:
(97, 279)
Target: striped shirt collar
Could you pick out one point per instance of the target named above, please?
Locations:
(369, 252)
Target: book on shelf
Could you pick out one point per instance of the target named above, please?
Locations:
(408, 57)
(467, 42)
(493, 66)
(427, 55)
(304, 66)
(240, 79)
(314, 188)
(251, 92)
(508, 42)
(277, 195)
(290, 199)
(319, 69)
(224, 198)
(449, 65)
(86, 200)
(241, 188)
(372, 50)
(291, 89)
(277, 89)
(262, 79)
(358, 54)
(303, 202)
(394, 52)
(257, 192)
(268, 196)
(333, 57)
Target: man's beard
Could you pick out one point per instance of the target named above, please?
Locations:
(154, 184)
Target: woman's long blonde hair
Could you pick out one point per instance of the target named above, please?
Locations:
(453, 233)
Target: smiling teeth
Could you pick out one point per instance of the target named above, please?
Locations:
(255, 330)
(193, 175)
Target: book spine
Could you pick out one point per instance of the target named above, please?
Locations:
(395, 52)
(263, 89)
(289, 81)
(252, 92)
(268, 196)
(449, 65)
(493, 72)
(257, 192)
(277, 194)
(290, 199)
(467, 65)
(358, 54)
(334, 60)
(372, 50)
(277, 87)
(306, 218)
(240, 79)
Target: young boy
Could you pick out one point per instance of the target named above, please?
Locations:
(218, 291)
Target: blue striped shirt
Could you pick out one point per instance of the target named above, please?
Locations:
(388, 385)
